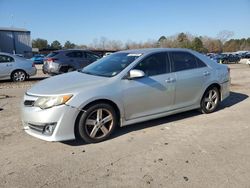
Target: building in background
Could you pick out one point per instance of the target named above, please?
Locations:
(15, 41)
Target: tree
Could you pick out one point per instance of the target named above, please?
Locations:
(197, 45)
(103, 43)
(224, 35)
(161, 41)
(162, 38)
(115, 45)
(69, 45)
(39, 43)
(56, 45)
(213, 45)
(81, 46)
(183, 41)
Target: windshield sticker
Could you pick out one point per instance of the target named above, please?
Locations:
(134, 55)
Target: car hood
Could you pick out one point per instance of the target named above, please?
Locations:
(67, 83)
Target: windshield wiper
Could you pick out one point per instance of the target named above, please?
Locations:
(85, 72)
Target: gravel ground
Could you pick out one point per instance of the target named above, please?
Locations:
(184, 150)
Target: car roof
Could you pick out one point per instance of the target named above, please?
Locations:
(4, 53)
(153, 50)
(71, 50)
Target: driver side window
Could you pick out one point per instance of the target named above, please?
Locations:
(155, 64)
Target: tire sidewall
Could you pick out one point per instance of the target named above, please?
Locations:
(203, 107)
(81, 131)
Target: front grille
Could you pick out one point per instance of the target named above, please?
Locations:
(39, 128)
(29, 103)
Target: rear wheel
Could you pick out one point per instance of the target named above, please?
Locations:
(18, 76)
(97, 123)
(210, 100)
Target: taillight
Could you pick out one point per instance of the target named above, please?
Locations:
(33, 64)
(50, 60)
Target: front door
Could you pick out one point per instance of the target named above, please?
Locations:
(153, 93)
(6, 63)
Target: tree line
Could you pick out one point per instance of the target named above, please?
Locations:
(202, 44)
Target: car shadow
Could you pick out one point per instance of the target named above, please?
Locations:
(232, 100)
(37, 78)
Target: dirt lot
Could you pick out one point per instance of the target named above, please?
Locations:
(184, 150)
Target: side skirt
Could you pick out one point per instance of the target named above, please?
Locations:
(155, 116)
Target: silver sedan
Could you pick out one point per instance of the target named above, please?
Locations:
(15, 68)
(123, 88)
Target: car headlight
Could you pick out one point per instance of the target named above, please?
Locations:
(48, 102)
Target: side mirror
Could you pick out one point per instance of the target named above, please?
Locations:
(134, 73)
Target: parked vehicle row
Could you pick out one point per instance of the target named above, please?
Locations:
(19, 69)
(226, 58)
(123, 88)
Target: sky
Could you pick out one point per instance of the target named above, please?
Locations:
(83, 21)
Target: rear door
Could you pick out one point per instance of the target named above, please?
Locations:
(76, 59)
(6, 65)
(153, 93)
(191, 76)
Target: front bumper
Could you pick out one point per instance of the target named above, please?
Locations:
(62, 117)
(50, 68)
(225, 90)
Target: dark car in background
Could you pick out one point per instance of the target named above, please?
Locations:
(225, 58)
(231, 58)
(246, 56)
(62, 61)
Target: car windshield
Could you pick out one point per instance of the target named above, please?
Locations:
(111, 65)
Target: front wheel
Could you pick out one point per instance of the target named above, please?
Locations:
(210, 100)
(97, 123)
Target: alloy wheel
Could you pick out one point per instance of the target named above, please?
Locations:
(19, 76)
(99, 123)
(211, 100)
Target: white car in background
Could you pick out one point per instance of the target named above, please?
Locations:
(248, 62)
(15, 67)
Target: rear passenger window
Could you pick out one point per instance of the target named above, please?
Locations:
(75, 54)
(154, 64)
(183, 61)
(6, 59)
(200, 63)
(91, 56)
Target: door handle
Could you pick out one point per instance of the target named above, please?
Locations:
(206, 73)
(9, 65)
(170, 80)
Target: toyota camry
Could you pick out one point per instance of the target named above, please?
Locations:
(123, 88)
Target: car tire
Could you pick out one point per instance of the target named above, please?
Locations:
(97, 123)
(210, 100)
(70, 69)
(18, 76)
